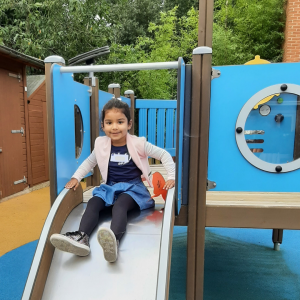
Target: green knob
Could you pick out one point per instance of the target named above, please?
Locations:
(279, 100)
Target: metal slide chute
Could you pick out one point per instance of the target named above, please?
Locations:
(141, 272)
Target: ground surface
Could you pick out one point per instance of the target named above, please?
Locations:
(239, 263)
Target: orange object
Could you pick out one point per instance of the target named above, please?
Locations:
(158, 183)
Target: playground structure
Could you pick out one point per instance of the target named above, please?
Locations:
(222, 181)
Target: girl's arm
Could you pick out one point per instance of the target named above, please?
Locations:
(166, 159)
(82, 171)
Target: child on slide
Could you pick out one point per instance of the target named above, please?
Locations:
(122, 159)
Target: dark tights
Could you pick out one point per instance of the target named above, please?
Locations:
(121, 207)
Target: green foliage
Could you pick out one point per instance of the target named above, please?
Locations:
(171, 37)
(183, 6)
(62, 27)
(142, 31)
(130, 19)
(245, 28)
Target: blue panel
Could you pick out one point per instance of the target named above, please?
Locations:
(146, 103)
(170, 128)
(161, 128)
(172, 151)
(226, 165)
(143, 122)
(66, 94)
(127, 100)
(174, 129)
(152, 126)
(279, 138)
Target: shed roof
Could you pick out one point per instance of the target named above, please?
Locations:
(26, 59)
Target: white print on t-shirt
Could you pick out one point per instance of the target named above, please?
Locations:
(128, 160)
(121, 159)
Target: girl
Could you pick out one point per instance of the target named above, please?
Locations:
(122, 159)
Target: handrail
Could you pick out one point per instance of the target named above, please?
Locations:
(164, 264)
(121, 67)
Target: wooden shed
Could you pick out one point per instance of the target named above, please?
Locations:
(23, 131)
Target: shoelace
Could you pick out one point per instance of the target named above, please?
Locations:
(74, 233)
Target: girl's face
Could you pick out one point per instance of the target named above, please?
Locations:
(115, 126)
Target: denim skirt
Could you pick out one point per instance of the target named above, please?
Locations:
(135, 188)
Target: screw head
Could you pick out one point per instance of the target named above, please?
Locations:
(283, 87)
(280, 100)
(278, 169)
(239, 130)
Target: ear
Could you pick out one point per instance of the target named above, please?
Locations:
(130, 124)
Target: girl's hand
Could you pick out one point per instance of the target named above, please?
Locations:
(73, 183)
(169, 184)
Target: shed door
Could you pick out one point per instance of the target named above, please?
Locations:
(11, 158)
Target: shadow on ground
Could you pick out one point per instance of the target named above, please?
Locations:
(236, 269)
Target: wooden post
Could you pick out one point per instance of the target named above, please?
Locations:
(27, 131)
(114, 88)
(130, 94)
(201, 82)
(50, 123)
(94, 180)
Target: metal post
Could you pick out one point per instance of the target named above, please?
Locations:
(50, 124)
(130, 94)
(114, 88)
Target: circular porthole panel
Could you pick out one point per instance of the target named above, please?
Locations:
(78, 131)
(268, 129)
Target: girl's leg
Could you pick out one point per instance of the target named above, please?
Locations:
(90, 217)
(77, 242)
(123, 204)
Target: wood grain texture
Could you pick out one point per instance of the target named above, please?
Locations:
(13, 159)
(94, 180)
(37, 117)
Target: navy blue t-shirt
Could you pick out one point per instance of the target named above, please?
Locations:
(122, 171)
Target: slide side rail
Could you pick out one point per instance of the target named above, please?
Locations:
(61, 208)
(163, 278)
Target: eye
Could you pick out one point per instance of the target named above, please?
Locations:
(121, 122)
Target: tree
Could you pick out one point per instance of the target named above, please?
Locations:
(249, 28)
(168, 39)
(130, 19)
(183, 6)
(62, 27)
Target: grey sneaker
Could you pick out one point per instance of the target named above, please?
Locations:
(108, 242)
(74, 242)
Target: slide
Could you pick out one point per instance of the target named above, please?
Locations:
(141, 271)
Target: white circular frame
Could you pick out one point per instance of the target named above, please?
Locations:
(241, 121)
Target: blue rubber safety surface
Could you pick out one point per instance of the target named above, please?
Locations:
(14, 269)
(240, 264)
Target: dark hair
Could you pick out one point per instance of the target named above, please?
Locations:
(118, 104)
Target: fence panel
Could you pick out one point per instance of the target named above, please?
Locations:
(160, 127)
